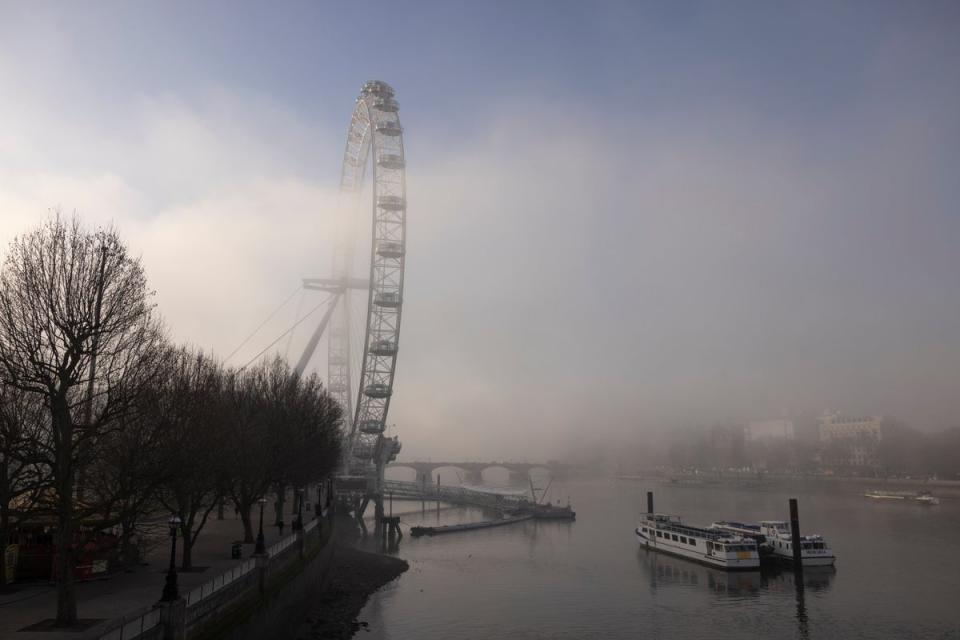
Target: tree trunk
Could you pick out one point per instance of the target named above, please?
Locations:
(66, 591)
(278, 505)
(4, 541)
(186, 558)
(247, 524)
(126, 544)
(5, 500)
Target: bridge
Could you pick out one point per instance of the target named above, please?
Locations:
(473, 471)
(453, 495)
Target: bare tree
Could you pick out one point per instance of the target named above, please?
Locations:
(22, 475)
(250, 451)
(128, 471)
(192, 439)
(67, 296)
(313, 432)
(282, 430)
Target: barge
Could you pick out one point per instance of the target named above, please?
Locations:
(466, 526)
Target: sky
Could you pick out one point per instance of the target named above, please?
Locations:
(623, 217)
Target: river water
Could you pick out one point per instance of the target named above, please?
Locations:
(897, 573)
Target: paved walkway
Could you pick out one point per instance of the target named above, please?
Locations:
(124, 593)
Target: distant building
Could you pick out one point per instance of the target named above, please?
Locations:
(853, 442)
(779, 429)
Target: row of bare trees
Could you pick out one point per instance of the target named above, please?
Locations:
(104, 422)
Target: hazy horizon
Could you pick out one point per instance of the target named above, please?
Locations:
(643, 218)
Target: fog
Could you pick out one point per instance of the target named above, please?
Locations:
(723, 240)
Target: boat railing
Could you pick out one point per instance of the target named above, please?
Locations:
(688, 530)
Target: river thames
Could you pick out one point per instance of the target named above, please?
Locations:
(897, 573)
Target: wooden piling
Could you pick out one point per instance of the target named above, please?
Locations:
(795, 536)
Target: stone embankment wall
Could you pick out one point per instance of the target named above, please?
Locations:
(281, 601)
(265, 596)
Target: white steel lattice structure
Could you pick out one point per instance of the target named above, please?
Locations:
(375, 134)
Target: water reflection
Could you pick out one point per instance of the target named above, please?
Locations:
(664, 571)
(667, 571)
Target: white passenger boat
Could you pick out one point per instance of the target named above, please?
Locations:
(712, 547)
(775, 540)
(923, 497)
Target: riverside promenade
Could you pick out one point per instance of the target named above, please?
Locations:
(124, 593)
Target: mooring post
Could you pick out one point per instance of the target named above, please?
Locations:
(795, 536)
(438, 496)
(649, 501)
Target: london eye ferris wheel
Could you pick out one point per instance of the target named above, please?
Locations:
(360, 369)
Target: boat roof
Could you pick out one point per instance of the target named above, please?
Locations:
(673, 524)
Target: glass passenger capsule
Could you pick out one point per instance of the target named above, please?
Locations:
(389, 128)
(391, 203)
(377, 390)
(390, 249)
(387, 299)
(390, 161)
(370, 426)
(383, 348)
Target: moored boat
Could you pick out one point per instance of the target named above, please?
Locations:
(923, 497)
(712, 547)
(775, 541)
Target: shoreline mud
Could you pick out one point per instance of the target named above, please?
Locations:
(354, 575)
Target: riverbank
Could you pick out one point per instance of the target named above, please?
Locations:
(848, 484)
(353, 576)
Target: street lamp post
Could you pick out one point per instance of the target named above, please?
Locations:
(260, 548)
(170, 590)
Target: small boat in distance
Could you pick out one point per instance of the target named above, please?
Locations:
(712, 547)
(775, 541)
(923, 497)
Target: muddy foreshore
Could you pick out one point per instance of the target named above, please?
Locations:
(352, 577)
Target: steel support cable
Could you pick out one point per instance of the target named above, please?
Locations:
(284, 334)
(286, 352)
(260, 326)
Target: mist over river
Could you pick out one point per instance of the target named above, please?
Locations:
(897, 572)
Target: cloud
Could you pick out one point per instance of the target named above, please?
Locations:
(574, 273)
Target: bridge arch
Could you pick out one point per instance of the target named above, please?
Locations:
(500, 475)
(451, 474)
(402, 472)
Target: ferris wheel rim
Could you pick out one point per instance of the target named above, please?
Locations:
(375, 137)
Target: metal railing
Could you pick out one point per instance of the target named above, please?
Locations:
(210, 587)
(461, 495)
(134, 627)
(147, 619)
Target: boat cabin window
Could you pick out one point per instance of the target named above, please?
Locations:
(683, 539)
(674, 536)
(659, 534)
